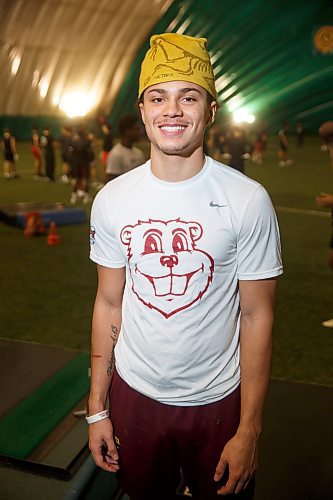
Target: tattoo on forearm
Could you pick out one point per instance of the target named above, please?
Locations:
(110, 364)
(114, 333)
(114, 336)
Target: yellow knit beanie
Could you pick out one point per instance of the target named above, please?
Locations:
(174, 57)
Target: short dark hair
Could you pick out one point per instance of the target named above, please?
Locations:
(127, 122)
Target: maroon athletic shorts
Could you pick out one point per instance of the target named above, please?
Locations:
(157, 440)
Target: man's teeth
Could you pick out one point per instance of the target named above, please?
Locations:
(173, 128)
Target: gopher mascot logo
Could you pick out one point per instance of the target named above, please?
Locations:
(169, 273)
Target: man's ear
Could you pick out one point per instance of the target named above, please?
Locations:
(141, 107)
(212, 112)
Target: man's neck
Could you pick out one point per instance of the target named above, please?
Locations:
(173, 168)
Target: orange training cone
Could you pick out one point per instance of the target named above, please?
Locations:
(30, 226)
(53, 238)
(34, 225)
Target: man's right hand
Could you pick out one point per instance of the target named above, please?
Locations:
(102, 445)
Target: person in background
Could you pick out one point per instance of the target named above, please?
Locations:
(326, 200)
(124, 156)
(82, 156)
(47, 144)
(284, 146)
(93, 162)
(326, 134)
(10, 155)
(36, 152)
(107, 146)
(187, 251)
(236, 148)
(215, 142)
(65, 140)
(300, 131)
(259, 147)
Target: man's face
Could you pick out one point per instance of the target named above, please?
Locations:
(176, 115)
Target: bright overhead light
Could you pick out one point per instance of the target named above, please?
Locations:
(77, 103)
(243, 116)
(15, 57)
(43, 87)
(16, 64)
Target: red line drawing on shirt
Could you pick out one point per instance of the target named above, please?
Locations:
(169, 272)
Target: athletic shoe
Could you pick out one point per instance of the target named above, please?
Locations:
(328, 323)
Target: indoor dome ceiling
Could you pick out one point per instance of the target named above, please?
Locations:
(57, 52)
(270, 59)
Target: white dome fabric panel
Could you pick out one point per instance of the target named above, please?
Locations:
(60, 53)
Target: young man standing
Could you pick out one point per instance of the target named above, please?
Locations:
(10, 155)
(35, 149)
(47, 143)
(284, 146)
(107, 146)
(187, 252)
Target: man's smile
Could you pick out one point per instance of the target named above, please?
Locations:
(172, 128)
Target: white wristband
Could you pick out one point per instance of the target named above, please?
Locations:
(98, 416)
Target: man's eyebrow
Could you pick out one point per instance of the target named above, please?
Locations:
(181, 91)
(189, 89)
(159, 91)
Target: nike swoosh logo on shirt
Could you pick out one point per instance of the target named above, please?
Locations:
(212, 204)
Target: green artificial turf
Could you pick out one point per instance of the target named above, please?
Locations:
(34, 418)
(48, 292)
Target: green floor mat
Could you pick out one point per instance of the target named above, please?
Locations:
(25, 427)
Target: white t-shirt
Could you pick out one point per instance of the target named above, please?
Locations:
(122, 159)
(185, 245)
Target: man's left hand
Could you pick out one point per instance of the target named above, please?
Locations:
(241, 457)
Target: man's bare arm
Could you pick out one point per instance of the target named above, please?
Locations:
(240, 453)
(105, 332)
